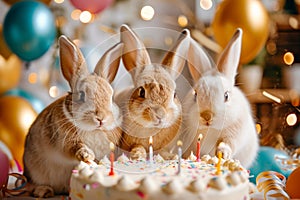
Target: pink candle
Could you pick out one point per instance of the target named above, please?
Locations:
(198, 152)
(112, 159)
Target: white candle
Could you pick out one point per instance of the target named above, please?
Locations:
(179, 144)
(150, 150)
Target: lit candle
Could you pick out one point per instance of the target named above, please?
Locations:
(112, 159)
(179, 144)
(219, 155)
(150, 150)
(199, 147)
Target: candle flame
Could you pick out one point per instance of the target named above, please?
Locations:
(150, 140)
(200, 137)
(111, 146)
(179, 143)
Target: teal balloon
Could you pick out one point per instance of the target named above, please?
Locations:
(36, 103)
(29, 29)
(266, 161)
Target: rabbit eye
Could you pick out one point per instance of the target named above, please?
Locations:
(81, 96)
(175, 95)
(195, 95)
(141, 92)
(226, 96)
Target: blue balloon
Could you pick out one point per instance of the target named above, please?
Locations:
(37, 104)
(29, 29)
(266, 161)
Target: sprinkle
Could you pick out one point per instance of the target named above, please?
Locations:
(141, 194)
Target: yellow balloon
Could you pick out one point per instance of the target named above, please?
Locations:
(10, 72)
(251, 16)
(16, 117)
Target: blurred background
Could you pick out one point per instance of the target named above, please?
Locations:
(269, 71)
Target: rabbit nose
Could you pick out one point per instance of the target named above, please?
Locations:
(100, 121)
(159, 113)
(207, 115)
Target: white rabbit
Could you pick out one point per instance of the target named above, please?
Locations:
(216, 108)
(77, 127)
(151, 107)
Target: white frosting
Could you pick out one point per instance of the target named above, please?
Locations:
(125, 184)
(192, 157)
(158, 158)
(147, 185)
(123, 158)
(173, 187)
(105, 160)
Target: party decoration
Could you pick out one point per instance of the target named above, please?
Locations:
(4, 50)
(11, 2)
(269, 159)
(249, 15)
(10, 72)
(29, 29)
(4, 169)
(93, 6)
(272, 184)
(16, 117)
(292, 184)
(37, 104)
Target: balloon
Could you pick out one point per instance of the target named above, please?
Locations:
(4, 50)
(93, 6)
(29, 29)
(10, 72)
(16, 117)
(266, 161)
(37, 104)
(292, 184)
(4, 169)
(11, 2)
(251, 16)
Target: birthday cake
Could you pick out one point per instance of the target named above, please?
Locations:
(209, 178)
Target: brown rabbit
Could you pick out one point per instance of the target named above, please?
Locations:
(150, 107)
(77, 127)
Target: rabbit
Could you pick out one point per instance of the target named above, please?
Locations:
(216, 108)
(150, 107)
(76, 127)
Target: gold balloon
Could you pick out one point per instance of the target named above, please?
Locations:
(4, 50)
(10, 72)
(251, 16)
(16, 117)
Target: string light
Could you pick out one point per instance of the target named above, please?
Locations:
(206, 4)
(258, 128)
(85, 17)
(272, 97)
(293, 22)
(147, 13)
(288, 58)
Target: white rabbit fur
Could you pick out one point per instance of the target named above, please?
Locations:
(216, 108)
(77, 127)
(150, 107)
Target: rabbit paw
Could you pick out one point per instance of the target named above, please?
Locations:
(85, 154)
(226, 151)
(43, 191)
(168, 155)
(138, 153)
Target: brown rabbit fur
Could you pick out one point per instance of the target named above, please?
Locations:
(76, 127)
(150, 107)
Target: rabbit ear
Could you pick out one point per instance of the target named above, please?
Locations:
(229, 59)
(72, 61)
(135, 53)
(198, 60)
(107, 67)
(174, 60)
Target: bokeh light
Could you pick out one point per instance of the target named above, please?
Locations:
(168, 41)
(59, 1)
(182, 20)
(147, 13)
(294, 22)
(75, 15)
(85, 17)
(53, 91)
(206, 4)
(291, 119)
(258, 128)
(288, 58)
(32, 78)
